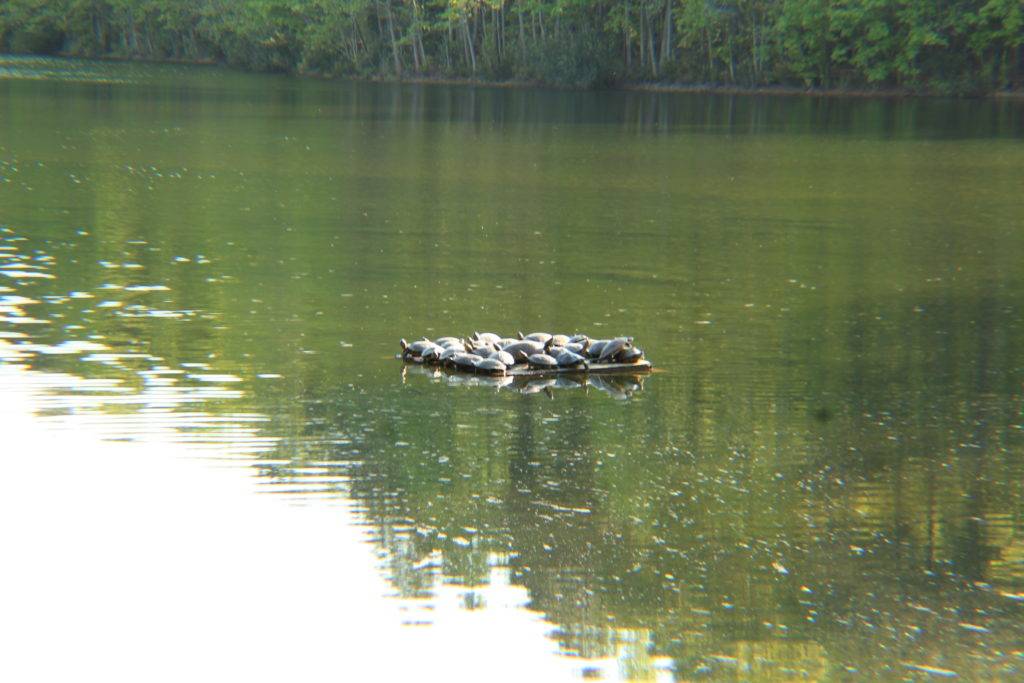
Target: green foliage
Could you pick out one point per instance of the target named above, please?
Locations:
(32, 26)
(945, 45)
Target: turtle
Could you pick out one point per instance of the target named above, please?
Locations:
(579, 347)
(595, 348)
(415, 349)
(611, 350)
(522, 350)
(542, 361)
(633, 354)
(447, 355)
(477, 345)
(559, 339)
(485, 337)
(542, 337)
(504, 357)
(432, 355)
(491, 366)
(568, 359)
(465, 361)
(578, 339)
(445, 341)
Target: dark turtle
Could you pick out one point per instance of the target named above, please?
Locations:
(491, 366)
(578, 338)
(612, 349)
(595, 348)
(568, 359)
(631, 355)
(522, 350)
(542, 361)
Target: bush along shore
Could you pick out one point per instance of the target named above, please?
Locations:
(951, 47)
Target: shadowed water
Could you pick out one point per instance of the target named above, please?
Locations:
(825, 477)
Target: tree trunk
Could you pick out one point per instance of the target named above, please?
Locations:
(625, 30)
(650, 47)
(522, 38)
(469, 45)
(643, 36)
(394, 43)
(666, 41)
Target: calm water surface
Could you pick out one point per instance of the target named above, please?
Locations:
(210, 451)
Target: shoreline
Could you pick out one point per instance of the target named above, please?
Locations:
(622, 86)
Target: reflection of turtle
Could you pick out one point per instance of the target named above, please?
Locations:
(535, 386)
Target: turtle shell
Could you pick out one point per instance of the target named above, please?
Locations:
(491, 366)
(542, 361)
(568, 359)
(522, 350)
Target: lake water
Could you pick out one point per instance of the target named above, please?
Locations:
(215, 467)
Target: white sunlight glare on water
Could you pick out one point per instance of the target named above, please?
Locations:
(144, 561)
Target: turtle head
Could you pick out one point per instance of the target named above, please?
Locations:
(586, 346)
(520, 334)
(404, 344)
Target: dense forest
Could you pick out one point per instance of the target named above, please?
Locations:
(952, 46)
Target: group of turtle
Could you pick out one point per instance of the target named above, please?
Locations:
(490, 354)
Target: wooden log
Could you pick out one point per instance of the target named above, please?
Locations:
(642, 366)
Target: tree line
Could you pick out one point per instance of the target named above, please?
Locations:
(954, 46)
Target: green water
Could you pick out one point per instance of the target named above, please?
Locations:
(825, 477)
